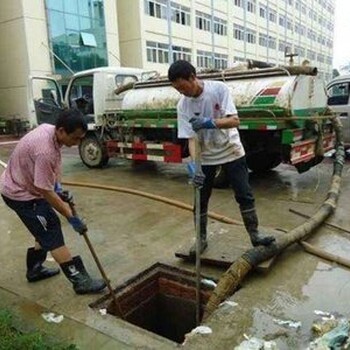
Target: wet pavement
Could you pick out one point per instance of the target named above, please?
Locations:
(131, 233)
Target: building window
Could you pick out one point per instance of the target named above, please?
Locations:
(282, 21)
(239, 3)
(180, 14)
(156, 8)
(303, 9)
(220, 26)
(220, 61)
(273, 16)
(297, 5)
(262, 11)
(238, 59)
(272, 43)
(289, 24)
(77, 34)
(203, 21)
(181, 53)
(299, 50)
(251, 36)
(311, 54)
(311, 34)
(320, 58)
(285, 47)
(251, 5)
(157, 52)
(204, 59)
(263, 39)
(238, 32)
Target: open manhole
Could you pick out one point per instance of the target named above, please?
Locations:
(160, 299)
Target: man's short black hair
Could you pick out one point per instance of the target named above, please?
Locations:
(181, 70)
(71, 120)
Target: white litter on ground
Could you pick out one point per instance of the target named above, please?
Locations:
(202, 330)
(253, 343)
(208, 283)
(52, 318)
(290, 324)
(103, 312)
(228, 303)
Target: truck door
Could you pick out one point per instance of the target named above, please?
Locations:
(338, 101)
(80, 94)
(47, 99)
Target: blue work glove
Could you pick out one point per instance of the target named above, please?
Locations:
(77, 224)
(58, 187)
(66, 196)
(202, 123)
(196, 178)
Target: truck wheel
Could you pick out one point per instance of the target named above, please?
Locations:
(262, 161)
(92, 152)
(220, 180)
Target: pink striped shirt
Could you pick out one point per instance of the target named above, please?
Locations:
(34, 164)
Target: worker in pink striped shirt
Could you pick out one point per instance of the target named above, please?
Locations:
(30, 186)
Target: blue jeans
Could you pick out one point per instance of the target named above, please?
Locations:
(41, 221)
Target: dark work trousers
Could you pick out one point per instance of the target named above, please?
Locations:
(41, 221)
(238, 176)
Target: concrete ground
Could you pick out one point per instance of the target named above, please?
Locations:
(131, 233)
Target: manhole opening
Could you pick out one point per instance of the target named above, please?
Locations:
(161, 299)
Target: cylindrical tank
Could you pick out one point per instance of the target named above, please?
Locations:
(264, 89)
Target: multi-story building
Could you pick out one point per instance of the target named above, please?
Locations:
(214, 34)
(51, 37)
(56, 37)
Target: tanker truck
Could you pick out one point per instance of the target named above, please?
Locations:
(283, 116)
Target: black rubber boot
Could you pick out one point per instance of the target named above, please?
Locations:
(35, 270)
(81, 280)
(251, 223)
(203, 234)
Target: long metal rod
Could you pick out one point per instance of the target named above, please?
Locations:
(197, 193)
(99, 265)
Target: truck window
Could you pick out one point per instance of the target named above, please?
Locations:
(338, 94)
(46, 91)
(81, 94)
(122, 79)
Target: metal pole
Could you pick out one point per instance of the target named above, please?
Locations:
(197, 193)
(53, 54)
(245, 28)
(170, 38)
(212, 36)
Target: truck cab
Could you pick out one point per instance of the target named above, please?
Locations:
(338, 91)
(91, 91)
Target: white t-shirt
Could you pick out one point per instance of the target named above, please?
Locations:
(218, 146)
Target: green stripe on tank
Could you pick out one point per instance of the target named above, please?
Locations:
(306, 112)
(264, 100)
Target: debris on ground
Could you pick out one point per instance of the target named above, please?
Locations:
(103, 311)
(52, 318)
(228, 303)
(334, 338)
(202, 330)
(205, 330)
(208, 283)
(288, 323)
(253, 343)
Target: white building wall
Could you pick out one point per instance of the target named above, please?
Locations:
(24, 51)
(234, 12)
